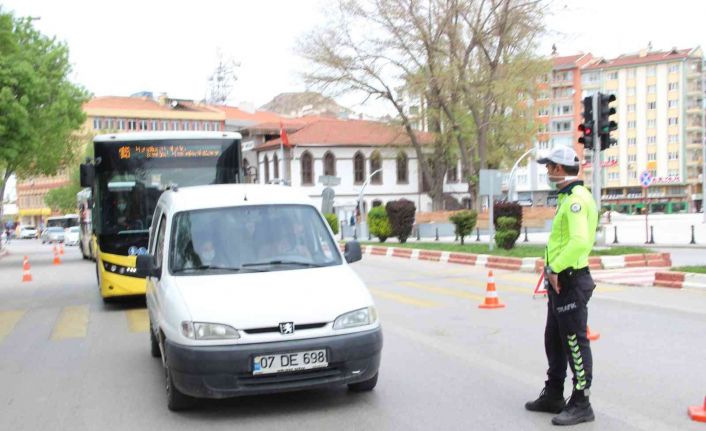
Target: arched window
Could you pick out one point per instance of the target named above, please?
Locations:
(267, 170)
(376, 164)
(307, 169)
(452, 172)
(275, 163)
(329, 164)
(358, 168)
(402, 175)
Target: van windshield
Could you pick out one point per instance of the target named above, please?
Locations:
(250, 238)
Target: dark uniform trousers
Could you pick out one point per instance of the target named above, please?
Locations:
(565, 338)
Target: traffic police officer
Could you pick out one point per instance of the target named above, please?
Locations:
(569, 285)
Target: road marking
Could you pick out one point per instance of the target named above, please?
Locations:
(482, 284)
(8, 320)
(72, 323)
(442, 290)
(511, 276)
(137, 320)
(404, 299)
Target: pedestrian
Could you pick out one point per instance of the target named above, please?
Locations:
(569, 288)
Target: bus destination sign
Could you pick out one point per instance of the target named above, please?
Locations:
(128, 152)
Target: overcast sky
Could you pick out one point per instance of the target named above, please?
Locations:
(122, 47)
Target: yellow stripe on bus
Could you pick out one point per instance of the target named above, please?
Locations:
(72, 323)
(137, 320)
(8, 320)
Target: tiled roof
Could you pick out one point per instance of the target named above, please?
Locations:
(233, 113)
(142, 104)
(332, 132)
(570, 61)
(636, 59)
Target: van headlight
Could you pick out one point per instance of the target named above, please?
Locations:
(208, 331)
(362, 317)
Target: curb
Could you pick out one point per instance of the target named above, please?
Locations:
(678, 280)
(521, 264)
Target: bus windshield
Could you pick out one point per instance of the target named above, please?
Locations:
(130, 177)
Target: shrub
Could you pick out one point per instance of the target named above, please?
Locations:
(508, 209)
(506, 234)
(464, 222)
(401, 216)
(379, 224)
(332, 220)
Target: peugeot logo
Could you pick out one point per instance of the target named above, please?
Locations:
(286, 328)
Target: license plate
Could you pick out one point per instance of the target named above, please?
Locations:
(288, 362)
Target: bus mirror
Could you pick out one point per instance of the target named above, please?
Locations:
(88, 173)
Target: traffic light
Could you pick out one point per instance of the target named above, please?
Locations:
(586, 128)
(605, 125)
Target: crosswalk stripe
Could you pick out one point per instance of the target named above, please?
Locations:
(72, 323)
(8, 320)
(137, 320)
(443, 290)
(408, 300)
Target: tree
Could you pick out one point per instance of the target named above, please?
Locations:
(400, 213)
(470, 63)
(39, 107)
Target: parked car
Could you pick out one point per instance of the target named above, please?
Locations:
(71, 235)
(28, 231)
(249, 293)
(52, 234)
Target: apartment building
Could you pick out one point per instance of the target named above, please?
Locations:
(660, 128)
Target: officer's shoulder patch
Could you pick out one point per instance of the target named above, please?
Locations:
(576, 207)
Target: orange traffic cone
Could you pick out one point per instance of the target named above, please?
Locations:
(26, 275)
(491, 295)
(61, 248)
(698, 413)
(57, 261)
(593, 336)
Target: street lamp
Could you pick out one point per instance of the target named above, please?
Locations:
(512, 187)
(359, 227)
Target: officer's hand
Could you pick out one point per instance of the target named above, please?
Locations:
(554, 281)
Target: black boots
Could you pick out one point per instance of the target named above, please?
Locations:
(577, 410)
(551, 400)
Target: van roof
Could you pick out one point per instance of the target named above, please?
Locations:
(228, 195)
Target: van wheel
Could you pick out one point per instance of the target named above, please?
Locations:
(176, 401)
(154, 344)
(364, 386)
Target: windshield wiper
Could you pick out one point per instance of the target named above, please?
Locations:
(282, 262)
(205, 267)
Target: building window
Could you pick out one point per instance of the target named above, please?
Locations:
(376, 164)
(613, 75)
(561, 126)
(674, 155)
(651, 124)
(651, 106)
(673, 139)
(632, 141)
(307, 162)
(121, 124)
(651, 139)
(131, 124)
(632, 124)
(175, 125)
(143, 124)
(632, 157)
(674, 68)
(631, 73)
(651, 71)
(631, 107)
(267, 170)
(402, 177)
(275, 165)
(96, 123)
(185, 125)
(452, 172)
(651, 89)
(673, 121)
(673, 104)
(358, 168)
(543, 112)
(543, 145)
(632, 175)
(651, 156)
(329, 164)
(673, 86)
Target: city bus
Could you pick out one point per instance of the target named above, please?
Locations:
(84, 204)
(64, 222)
(128, 173)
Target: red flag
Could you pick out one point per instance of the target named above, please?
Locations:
(283, 135)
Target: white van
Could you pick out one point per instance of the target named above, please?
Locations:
(248, 293)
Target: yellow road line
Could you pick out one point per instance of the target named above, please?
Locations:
(525, 278)
(137, 320)
(404, 299)
(72, 323)
(443, 290)
(484, 283)
(8, 320)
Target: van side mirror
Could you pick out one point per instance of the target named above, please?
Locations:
(88, 174)
(146, 266)
(352, 251)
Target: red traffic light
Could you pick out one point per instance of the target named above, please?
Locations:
(586, 130)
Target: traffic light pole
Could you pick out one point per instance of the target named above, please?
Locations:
(596, 159)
